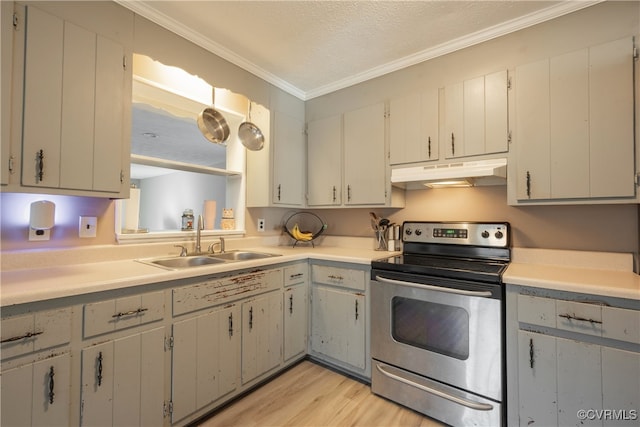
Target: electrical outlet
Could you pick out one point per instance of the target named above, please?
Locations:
(261, 224)
(88, 226)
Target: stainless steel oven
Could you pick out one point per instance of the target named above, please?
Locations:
(437, 328)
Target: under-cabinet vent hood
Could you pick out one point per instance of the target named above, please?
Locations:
(460, 174)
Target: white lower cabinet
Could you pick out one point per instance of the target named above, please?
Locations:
(123, 381)
(261, 335)
(37, 393)
(578, 363)
(206, 355)
(295, 310)
(339, 332)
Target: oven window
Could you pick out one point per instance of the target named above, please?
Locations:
(435, 327)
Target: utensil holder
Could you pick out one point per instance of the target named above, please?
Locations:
(382, 240)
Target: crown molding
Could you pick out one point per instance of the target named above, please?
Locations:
(478, 37)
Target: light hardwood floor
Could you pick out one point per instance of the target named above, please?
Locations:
(311, 395)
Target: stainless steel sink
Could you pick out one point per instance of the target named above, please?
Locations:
(242, 255)
(179, 262)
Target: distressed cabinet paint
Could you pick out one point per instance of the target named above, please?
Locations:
(123, 381)
(295, 310)
(261, 335)
(38, 393)
(206, 356)
(575, 140)
(571, 356)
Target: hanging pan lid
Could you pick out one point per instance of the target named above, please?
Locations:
(251, 136)
(213, 125)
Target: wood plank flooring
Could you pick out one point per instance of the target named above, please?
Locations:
(311, 395)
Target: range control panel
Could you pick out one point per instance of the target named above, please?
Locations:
(494, 234)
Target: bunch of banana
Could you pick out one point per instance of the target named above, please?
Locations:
(303, 236)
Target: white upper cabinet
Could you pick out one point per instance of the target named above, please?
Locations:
(475, 116)
(574, 125)
(275, 174)
(365, 180)
(413, 128)
(76, 108)
(324, 162)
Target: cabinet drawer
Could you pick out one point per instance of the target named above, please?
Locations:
(579, 317)
(35, 332)
(621, 324)
(121, 313)
(344, 277)
(217, 291)
(537, 311)
(296, 274)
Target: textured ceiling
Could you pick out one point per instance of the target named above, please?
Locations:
(310, 48)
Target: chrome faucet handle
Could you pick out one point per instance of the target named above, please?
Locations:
(183, 249)
(221, 244)
(210, 249)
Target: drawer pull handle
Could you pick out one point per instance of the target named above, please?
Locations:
(22, 337)
(580, 319)
(130, 313)
(295, 276)
(51, 385)
(338, 278)
(99, 369)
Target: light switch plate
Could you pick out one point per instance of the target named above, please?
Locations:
(88, 226)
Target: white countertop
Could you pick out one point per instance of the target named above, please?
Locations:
(25, 285)
(574, 271)
(596, 273)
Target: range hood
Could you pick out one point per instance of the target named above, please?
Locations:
(459, 174)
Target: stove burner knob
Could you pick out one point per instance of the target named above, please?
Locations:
(499, 235)
(485, 234)
(418, 232)
(408, 231)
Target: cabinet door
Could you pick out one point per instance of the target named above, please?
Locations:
(537, 379)
(37, 394)
(6, 80)
(452, 135)
(324, 162)
(288, 160)
(579, 381)
(261, 335)
(338, 325)
(44, 54)
(532, 131)
(611, 119)
(295, 321)
(123, 381)
(364, 156)
(620, 384)
(413, 128)
(205, 359)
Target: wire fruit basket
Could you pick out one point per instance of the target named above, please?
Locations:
(304, 227)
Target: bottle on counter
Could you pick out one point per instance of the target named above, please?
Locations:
(187, 220)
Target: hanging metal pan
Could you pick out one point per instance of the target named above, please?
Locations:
(213, 125)
(251, 136)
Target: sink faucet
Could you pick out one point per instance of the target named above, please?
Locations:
(221, 243)
(199, 227)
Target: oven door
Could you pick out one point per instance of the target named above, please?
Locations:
(448, 331)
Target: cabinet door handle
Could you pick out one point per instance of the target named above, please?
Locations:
(40, 159)
(251, 318)
(130, 313)
(334, 193)
(531, 352)
(429, 147)
(580, 319)
(453, 144)
(279, 190)
(348, 193)
(356, 309)
(230, 324)
(99, 369)
(51, 385)
(22, 337)
(528, 184)
(291, 304)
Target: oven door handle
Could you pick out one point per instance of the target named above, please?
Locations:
(456, 399)
(435, 288)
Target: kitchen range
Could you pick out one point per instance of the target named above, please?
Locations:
(438, 328)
